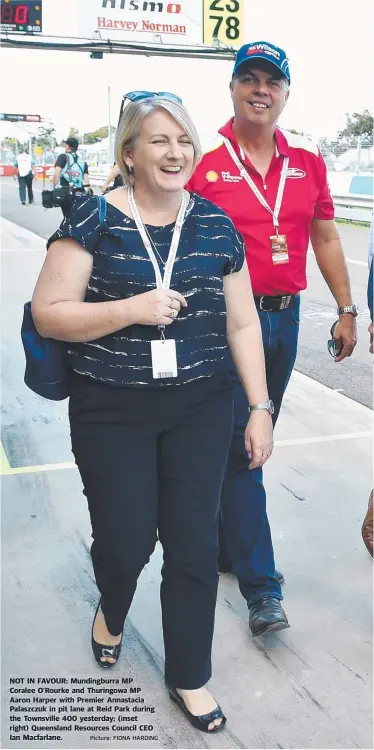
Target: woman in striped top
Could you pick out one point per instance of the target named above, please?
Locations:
(149, 302)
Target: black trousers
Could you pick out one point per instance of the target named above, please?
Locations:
(153, 460)
(23, 183)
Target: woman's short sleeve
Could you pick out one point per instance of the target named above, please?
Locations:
(237, 252)
(81, 224)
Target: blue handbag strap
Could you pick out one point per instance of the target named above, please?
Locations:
(102, 209)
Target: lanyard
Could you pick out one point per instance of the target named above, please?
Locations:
(254, 187)
(161, 282)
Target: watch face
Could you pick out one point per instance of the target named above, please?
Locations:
(271, 406)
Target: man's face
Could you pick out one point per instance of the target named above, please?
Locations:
(258, 93)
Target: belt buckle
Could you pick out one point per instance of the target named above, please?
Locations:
(285, 301)
(263, 309)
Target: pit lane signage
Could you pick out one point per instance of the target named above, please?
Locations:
(23, 17)
(6, 117)
(142, 21)
(223, 22)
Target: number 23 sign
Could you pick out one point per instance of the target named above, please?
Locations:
(223, 20)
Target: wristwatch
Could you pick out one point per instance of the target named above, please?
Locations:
(268, 405)
(351, 309)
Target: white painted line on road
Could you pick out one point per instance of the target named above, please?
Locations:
(42, 467)
(323, 439)
(357, 262)
(8, 470)
(15, 186)
(348, 260)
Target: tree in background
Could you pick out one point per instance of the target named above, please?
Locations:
(358, 124)
(73, 133)
(98, 135)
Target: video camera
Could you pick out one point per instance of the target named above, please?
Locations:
(63, 197)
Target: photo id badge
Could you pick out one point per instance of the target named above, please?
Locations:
(279, 249)
(164, 358)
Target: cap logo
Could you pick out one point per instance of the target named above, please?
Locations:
(211, 176)
(263, 49)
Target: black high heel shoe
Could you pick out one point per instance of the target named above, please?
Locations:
(199, 722)
(99, 650)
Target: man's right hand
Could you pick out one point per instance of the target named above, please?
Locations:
(159, 307)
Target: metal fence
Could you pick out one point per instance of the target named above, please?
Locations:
(355, 154)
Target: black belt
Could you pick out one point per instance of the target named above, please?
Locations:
(273, 304)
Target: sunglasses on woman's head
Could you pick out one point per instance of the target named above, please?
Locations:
(137, 96)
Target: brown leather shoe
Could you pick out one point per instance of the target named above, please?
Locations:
(367, 527)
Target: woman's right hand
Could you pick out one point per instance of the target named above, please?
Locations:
(159, 307)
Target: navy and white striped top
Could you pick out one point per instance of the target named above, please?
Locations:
(209, 248)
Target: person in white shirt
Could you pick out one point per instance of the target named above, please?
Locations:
(23, 165)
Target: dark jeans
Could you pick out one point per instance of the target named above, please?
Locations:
(245, 537)
(153, 460)
(23, 183)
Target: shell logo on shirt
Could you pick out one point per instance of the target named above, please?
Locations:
(211, 175)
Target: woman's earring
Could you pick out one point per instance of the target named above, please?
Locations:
(130, 169)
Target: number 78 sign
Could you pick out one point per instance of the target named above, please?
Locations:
(223, 20)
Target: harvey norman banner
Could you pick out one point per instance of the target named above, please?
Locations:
(142, 21)
(188, 22)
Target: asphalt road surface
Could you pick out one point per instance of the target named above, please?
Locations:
(318, 311)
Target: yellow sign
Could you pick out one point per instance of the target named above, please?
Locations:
(223, 21)
(38, 150)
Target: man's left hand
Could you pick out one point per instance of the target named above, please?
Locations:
(345, 336)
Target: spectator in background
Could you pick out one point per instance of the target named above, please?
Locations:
(70, 168)
(23, 165)
(113, 176)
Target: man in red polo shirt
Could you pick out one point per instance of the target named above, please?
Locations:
(273, 186)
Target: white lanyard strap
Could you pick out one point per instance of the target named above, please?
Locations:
(253, 186)
(161, 282)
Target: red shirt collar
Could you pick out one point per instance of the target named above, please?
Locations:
(280, 140)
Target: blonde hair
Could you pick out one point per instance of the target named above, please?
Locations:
(129, 127)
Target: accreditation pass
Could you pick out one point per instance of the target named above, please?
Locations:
(164, 358)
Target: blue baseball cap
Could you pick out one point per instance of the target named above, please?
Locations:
(263, 51)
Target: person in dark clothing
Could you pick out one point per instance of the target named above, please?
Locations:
(71, 171)
(23, 165)
(113, 176)
(149, 307)
(70, 168)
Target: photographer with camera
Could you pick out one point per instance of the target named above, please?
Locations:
(71, 171)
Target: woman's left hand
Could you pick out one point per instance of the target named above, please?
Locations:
(259, 438)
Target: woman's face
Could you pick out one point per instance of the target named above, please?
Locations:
(163, 155)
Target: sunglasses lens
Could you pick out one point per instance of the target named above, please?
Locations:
(331, 347)
(169, 95)
(136, 96)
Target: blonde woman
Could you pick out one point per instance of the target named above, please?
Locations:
(149, 306)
